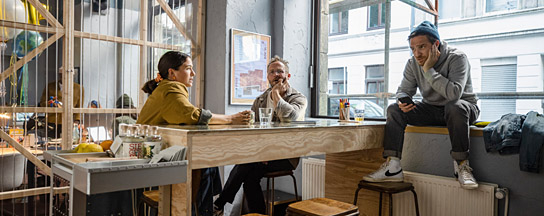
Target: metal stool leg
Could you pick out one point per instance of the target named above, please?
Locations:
(356, 196)
(272, 198)
(268, 196)
(295, 183)
(390, 204)
(416, 202)
(380, 211)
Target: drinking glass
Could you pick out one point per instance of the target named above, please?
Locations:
(359, 115)
(265, 116)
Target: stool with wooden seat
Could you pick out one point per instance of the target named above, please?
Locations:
(388, 188)
(270, 190)
(322, 206)
(151, 199)
(253, 214)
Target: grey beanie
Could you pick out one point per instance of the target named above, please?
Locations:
(425, 28)
(124, 102)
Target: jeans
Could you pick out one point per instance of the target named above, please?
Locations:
(250, 174)
(456, 116)
(210, 185)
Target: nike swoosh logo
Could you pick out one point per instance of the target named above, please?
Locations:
(387, 173)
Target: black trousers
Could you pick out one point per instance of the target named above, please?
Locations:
(250, 174)
(456, 116)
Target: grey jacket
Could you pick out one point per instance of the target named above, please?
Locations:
(449, 79)
(291, 107)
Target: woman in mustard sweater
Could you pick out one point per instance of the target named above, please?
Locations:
(168, 103)
(169, 99)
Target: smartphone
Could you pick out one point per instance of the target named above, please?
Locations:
(406, 100)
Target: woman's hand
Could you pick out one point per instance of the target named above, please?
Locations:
(241, 118)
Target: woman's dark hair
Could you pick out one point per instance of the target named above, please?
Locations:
(170, 59)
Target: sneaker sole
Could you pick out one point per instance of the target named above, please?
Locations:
(469, 187)
(383, 180)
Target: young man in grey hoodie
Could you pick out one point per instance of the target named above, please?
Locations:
(442, 75)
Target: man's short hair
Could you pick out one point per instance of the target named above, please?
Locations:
(279, 59)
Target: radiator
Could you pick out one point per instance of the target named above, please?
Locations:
(443, 196)
(313, 178)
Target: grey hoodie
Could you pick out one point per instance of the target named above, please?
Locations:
(449, 79)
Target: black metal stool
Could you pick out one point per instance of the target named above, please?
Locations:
(322, 206)
(388, 188)
(270, 190)
(151, 199)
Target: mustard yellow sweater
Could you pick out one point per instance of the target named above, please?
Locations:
(169, 104)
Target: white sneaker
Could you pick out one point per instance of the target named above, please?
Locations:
(390, 171)
(463, 172)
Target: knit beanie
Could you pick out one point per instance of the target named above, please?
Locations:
(124, 102)
(426, 28)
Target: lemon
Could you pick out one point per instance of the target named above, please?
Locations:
(88, 147)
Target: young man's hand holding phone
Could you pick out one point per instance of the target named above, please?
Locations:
(406, 104)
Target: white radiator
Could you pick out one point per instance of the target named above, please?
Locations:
(313, 178)
(443, 196)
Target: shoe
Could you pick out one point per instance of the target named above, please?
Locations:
(390, 171)
(463, 172)
(217, 211)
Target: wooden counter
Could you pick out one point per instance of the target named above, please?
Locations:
(211, 146)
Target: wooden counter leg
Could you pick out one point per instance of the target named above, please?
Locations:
(343, 171)
(164, 200)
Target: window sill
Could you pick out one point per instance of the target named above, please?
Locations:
(474, 131)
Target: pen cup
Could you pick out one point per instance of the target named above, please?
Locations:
(344, 113)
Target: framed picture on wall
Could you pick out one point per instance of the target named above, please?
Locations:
(250, 54)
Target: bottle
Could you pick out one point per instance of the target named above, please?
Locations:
(153, 142)
(132, 143)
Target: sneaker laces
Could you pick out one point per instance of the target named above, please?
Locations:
(382, 167)
(466, 172)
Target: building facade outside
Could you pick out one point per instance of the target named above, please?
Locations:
(504, 41)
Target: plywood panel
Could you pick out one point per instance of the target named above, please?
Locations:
(343, 173)
(232, 147)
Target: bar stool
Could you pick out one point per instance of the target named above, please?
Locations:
(270, 190)
(388, 188)
(253, 214)
(151, 198)
(322, 206)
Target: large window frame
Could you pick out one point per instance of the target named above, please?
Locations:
(388, 96)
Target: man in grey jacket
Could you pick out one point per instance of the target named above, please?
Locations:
(288, 105)
(442, 75)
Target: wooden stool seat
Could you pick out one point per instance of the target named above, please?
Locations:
(253, 214)
(278, 174)
(389, 188)
(322, 206)
(151, 199)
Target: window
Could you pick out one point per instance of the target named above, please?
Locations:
(498, 75)
(506, 80)
(338, 23)
(500, 5)
(337, 80)
(449, 9)
(374, 79)
(376, 16)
